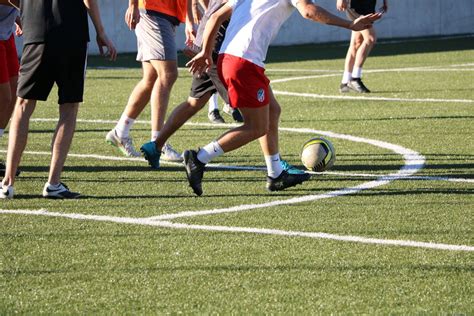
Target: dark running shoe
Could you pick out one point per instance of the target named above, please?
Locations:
(60, 191)
(286, 180)
(215, 117)
(356, 84)
(344, 88)
(151, 154)
(3, 170)
(235, 113)
(194, 170)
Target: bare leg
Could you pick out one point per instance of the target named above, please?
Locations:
(369, 39)
(256, 124)
(167, 71)
(18, 137)
(269, 142)
(62, 140)
(7, 100)
(356, 41)
(141, 93)
(180, 115)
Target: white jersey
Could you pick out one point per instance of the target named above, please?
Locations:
(253, 26)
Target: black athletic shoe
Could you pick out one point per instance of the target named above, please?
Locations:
(3, 169)
(344, 88)
(356, 84)
(215, 117)
(194, 170)
(60, 191)
(235, 113)
(286, 180)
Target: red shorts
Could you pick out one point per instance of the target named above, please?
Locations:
(246, 83)
(8, 60)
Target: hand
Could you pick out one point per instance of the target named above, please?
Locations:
(132, 17)
(103, 41)
(19, 27)
(341, 5)
(200, 63)
(190, 34)
(365, 21)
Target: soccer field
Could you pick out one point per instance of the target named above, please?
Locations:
(387, 230)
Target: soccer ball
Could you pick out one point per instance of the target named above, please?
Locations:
(318, 154)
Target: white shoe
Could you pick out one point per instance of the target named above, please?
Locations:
(7, 192)
(169, 154)
(124, 144)
(59, 191)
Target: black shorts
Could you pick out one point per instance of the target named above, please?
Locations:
(208, 82)
(363, 7)
(43, 65)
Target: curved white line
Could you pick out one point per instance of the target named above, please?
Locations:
(315, 235)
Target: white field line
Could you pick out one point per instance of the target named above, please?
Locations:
(341, 97)
(315, 235)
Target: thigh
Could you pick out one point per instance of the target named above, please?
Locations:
(36, 75)
(155, 39)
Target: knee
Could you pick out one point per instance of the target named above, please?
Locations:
(370, 41)
(168, 78)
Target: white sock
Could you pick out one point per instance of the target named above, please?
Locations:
(346, 77)
(357, 72)
(209, 152)
(123, 126)
(213, 104)
(154, 135)
(274, 167)
(1, 132)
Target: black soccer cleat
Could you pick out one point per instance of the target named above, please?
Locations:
(357, 85)
(194, 170)
(286, 180)
(215, 117)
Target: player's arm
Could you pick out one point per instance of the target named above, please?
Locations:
(385, 6)
(102, 39)
(189, 24)
(132, 15)
(316, 13)
(203, 60)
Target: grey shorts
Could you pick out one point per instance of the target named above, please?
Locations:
(155, 38)
(208, 82)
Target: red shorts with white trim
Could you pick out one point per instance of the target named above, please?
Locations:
(9, 65)
(246, 83)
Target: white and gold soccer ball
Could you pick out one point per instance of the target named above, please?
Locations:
(318, 154)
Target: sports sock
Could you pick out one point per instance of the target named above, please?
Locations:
(123, 126)
(213, 104)
(357, 73)
(209, 152)
(154, 135)
(274, 168)
(346, 77)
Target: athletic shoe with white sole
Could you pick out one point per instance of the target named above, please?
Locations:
(169, 154)
(7, 192)
(194, 170)
(124, 144)
(286, 180)
(151, 154)
(290, 168)
(344, 88)
(235, 113)
(215, 117)
(356, 84)
(59, 191)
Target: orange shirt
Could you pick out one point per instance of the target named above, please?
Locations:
(176, 8)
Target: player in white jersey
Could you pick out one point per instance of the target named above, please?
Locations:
(241, 67)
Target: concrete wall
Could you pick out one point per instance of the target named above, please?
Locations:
(405, 18)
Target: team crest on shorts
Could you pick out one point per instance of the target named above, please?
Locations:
(260, 95)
